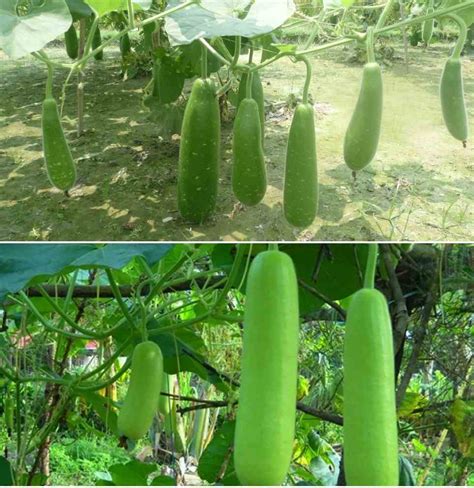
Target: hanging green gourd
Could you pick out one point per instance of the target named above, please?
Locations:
(300, 196)
(370, 419)
(363, 134)
(428, 26)
(249, 178)
(72, 42)
(452, 89)
(199, 153)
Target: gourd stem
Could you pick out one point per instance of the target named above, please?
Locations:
(273, 246)
(49, 81)
(462, 35)
(251, 53)
(385, 14)
(203, 62)
(131, 14)
(370, 45)
(371, 267)
(248, 88)
(309, 74)
(238, 47)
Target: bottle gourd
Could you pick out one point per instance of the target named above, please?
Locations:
(199, 154)
(266, 412)
(452, 100)
(72, 42)
(249, 178)
(257, 94)
(370, 421)
(363, 134)
(300, 197)
(143, 394)
(59, 162)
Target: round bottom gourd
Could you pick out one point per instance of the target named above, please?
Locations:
(249, 177)
(199, 154)
(370, 420)
(264, 432)
(452, 100)
(363, 134)
(57, 154)
(143, 394)
(300, 198)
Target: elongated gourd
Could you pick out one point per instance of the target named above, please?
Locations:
(427, 28)
(257, 94)
(9, 412)
(125, 45)
(59, 162)
(96, 42)
(300, 197)
(452, 100)
(362, 136)
(265, 423)
(199, 154)
(370, 421)
(164, 404)
(142, 398)
(249, 177)
(72, 43)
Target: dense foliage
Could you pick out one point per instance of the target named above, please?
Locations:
(72, 315)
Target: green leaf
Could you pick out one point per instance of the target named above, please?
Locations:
(462, 417)
(213, 18)
(22, 35)
(19, 265)
(102, 406)
(79, 10)
(217, 453)
(134, 473)
(6, 475)
(467, 14)
(163, 481)
(103, 7)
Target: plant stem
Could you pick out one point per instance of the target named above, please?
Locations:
(370, 45)
(462, 36)
(371, 267)
(203, 62)
(131, 14)
(238, 48)
(49, 81)
(385, 13)
(214, 52)
(309, 74)
(248, 88)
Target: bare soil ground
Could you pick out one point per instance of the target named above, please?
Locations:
(419, 187)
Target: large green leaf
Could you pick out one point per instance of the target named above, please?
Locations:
(79, 9)
(22, 35)
(102, 407)
(213, 18)
(20, 264)
(134, 473)
(467, 14)
(6, 476)
(103, 7)
(217, 454)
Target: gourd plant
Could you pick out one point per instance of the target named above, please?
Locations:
(200, 156)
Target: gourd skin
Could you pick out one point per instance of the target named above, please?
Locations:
(199, 155)
(300, 200)
(427, 28)
(142, 398)
(370, 421)
(59, 162)
(125, 45)
(96, 42)
(362, 136)
(249, 179)
(452, 100)
(266, 412)
(257, 94)
(72, 43)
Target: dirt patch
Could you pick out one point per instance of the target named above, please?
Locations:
(418, 188)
